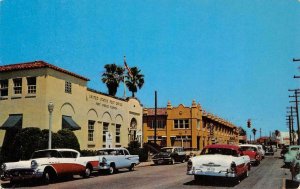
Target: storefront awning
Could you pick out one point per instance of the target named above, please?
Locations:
(69, 123)
(13, 121)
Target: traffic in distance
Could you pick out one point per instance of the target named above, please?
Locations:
(231, 163)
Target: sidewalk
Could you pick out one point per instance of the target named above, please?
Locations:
(144, 164)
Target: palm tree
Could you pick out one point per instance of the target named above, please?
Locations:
(134, 80)
(254, 132)
(112, 77)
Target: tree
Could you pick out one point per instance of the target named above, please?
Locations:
(134, 80)
(254, 132)
(112, 77)
(242, 132)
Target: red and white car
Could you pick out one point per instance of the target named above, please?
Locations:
(219, 160)
(253, 152)
(50, 164)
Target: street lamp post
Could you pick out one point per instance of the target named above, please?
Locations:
(50, 109)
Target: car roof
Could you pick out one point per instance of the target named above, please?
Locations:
(227, 146)
(58, 149)
(112, 148)
(251, 145)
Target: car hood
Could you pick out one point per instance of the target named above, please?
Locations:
(18, 165)
(162, 154)
(212, 159)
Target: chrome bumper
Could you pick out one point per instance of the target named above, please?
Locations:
(21, 174)
(212, 173)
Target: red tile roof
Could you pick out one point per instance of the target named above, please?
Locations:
(160, 111)
(36, 65)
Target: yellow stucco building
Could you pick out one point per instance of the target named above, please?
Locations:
(189, 127)
(26, 89)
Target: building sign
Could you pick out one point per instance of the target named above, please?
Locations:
(105, 102)
(109, 137)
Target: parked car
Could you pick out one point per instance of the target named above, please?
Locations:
(191, 152)
(113, 159)
(269, 150)
(252, 151)
(290, 154)
(50, 164)
(295, 168)
(169, 155)
(284, 150)
(261, 150)
(219, 160)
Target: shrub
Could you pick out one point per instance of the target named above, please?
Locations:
(88, 152)
(20, 144)
(135, 149)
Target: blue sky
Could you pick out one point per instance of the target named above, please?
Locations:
(233, 57)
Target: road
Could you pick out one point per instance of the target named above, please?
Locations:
(270, 174)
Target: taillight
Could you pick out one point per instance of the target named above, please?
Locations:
(189, 165)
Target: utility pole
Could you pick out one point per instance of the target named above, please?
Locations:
(260, 133)
(291, 123)
(290, 130)
(296, 60)
(296, 92)
(155, 117)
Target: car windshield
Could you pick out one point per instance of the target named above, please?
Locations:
(45, 154)
(108, 152)
(166, 150)
(248, 148)
(294, 149)
(222, 151)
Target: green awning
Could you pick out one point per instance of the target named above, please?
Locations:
(12, 122)
(69, 123)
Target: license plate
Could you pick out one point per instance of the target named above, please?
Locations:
(160, 161)
(210, 169)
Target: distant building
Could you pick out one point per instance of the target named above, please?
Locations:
(284, 138)
(189, 127)
(26, 89)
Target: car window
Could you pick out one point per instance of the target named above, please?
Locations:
(166, 150)
(120, 152)
(45, 154)
(126, 152)
(248, 148)
(294, 149)
(222, 151)
(68, 154)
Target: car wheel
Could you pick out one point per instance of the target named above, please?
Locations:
(112, 170)
(246, 173)
(183, 160)
(131, 168)
(87, 172)
(172, 161)
(47, 177)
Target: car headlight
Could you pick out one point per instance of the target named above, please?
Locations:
(34, 164)
(3, 167)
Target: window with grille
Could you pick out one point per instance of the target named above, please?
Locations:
(31, 85)
(91, 125)
(4, 87)
(68, 87)
(118, 133)
(17, 86)
(105, 129)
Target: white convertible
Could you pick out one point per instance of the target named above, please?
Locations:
(112, 159)
(49, 164)
(219, 161)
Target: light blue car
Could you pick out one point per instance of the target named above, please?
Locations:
(291, 154)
